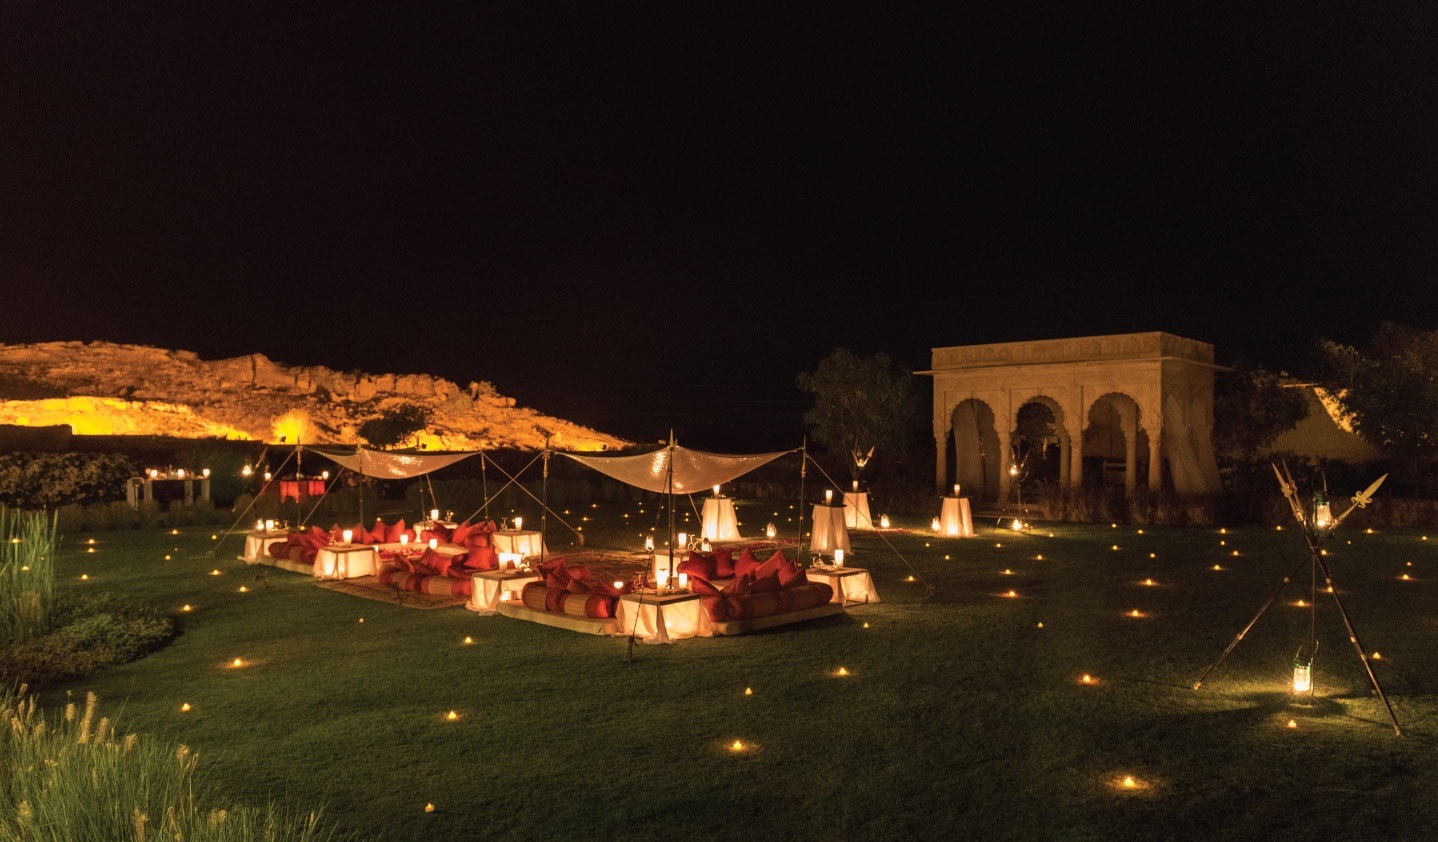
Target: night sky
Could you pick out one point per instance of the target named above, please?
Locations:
(639, 216)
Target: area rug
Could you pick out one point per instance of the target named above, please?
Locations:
(368, 587)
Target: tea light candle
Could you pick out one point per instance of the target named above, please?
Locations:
(935, 526)
(403, 540)
(838, 558)
(771, 531)
(434, 543)
(883, 521)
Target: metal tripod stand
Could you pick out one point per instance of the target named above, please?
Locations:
(1016, 489)
(1316, 530)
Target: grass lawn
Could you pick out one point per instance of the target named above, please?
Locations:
(961, 717)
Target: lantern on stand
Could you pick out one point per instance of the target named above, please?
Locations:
(1322, 512)
(771, 531)
(1303, 670)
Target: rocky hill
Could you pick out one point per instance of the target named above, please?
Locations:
(103, 388)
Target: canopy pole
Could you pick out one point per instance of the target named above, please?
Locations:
(803, 472)
(360, 485)
(669, 484)
(484, 483)
(299, 482)
(544, 505)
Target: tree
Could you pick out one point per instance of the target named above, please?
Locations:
(862, 406)
(1391, 390)
(1251, 408)
(394, 425)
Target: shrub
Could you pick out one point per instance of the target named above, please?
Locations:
(90, 632)
(27, 574)
(47, 480)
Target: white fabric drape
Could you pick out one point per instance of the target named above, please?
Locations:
(378, 463)
(694, 470)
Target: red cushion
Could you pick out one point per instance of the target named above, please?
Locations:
(717, 607)
(792, 575)
(482, 558)
(608, 589)
(280, 549)
(476, 540)
(580, 572)
(393, 531)
(579, 586)
(765, 584)
(697, 565)
(772, 567)
(723, 563)
(461, 532)
(702, 587)
(745, 563)
(438, 533)
(738, 587)
(376, 534)
(554, 563)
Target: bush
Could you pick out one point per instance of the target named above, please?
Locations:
(27, 574)
(48, 480)
(90, 632)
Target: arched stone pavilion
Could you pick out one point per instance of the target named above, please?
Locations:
(1135, 402)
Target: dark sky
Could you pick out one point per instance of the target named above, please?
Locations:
(645, 215)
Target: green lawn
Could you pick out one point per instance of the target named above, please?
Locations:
(961, 719)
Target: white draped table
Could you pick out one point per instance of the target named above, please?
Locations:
(850, 584)
(257, 545)
(955, 520)
(719, 520)
(856, 510)
(526, 542)
(487, 588)
(662, 618)
(346, 561)
(829, 532)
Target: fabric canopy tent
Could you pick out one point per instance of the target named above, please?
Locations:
(693, 470)
(384, 465)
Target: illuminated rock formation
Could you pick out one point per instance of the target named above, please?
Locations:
(102, 388)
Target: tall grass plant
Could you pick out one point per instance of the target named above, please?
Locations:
(27, 574)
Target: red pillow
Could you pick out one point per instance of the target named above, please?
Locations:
(460, 533)
(578, 586)
(772, 567)
(702, 587)
(697, 565)
(482, 558)
(377, 535)
(608, 589)
(738, 587)
(554, 563)
(557, 577)
(393, 531)
(723, 563)
(476, 539)
(765, 584)
(438, 533)
(745, 563)
(792, 574)
(578, 572)
(433, 562)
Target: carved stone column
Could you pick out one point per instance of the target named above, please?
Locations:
(1005, 460)
(1155, 460)
(1129, 424)
(941, 461)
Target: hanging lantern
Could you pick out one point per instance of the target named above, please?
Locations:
(246, 471)
(1013, 470)
(649, 544)
(1322, 513)
(771, 531)
(1302, 672)
(1017, 525)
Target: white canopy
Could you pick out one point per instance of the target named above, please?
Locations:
(694, 470)
(379, 463)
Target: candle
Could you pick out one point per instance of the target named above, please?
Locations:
(649, 544)
(269, 526)
(180, 473)
(771, 531)
(434, 514)
(683, 581)
(403, 540)
(838, 558)
(936, 525)
(510, 561)
(716, 491)
(883, 521)
(205, 473)
(662, 577)
(434, 543)
(856, 485)
(683, 539)
(828, 496)
(518, 523)
(324, 475)
(259, 526)
(348, 535)
(956, 489)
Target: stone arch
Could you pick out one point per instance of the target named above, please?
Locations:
(977, 452)
(1114, 441)
(1047, 461)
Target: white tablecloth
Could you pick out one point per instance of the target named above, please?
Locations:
(526, 542)
(346, 562)
(662, 619)
(955, 521)
(487, 586)
(850, 584)
(257, 545)
(720, 522)
(856, 510)
(829, 533)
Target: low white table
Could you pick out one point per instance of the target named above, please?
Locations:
(829, 532)
(257, 545)
(850, 584)
(856, 510)
(662, 618)
(346, 561)
(955, 519)
(487, 588)
(526, 542)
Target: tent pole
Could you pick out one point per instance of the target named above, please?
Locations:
(484, 487)
(669, 481)
(544, 507)
(299, 482)
(360, 485)
(803, 472)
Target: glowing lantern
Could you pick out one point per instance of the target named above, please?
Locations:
(518, 522)
(1087, 679)
(268, 476)
(935, 525)
(737, 745)
(468, 641)
(716, 491)
(246, 471)
(771, 531)
(683, 539)
(185, 707)
(269, 526)
(1322, 512)
(828, 496)
(956, 489)
(683, 581)
(1302, 673)
(748, 691)
(434, 515)
(324, 475)
(403, 540)
(1017, 525)
(434, 543)
(429, 808)
(1013, 470)
(180, 473)
(510, 561)
(1129, 782)
(154, 474)
(259, 526)
(348, 536)
(705, 546)
(1292, 723)
(838, 558)
(215, 572)
(244, 589)
(841, 672)
(504, 596)
(883, 521)
(662, 577)
(205, 473)
(187, 607)
(452, 716)
(237, 663)
(649, 543)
